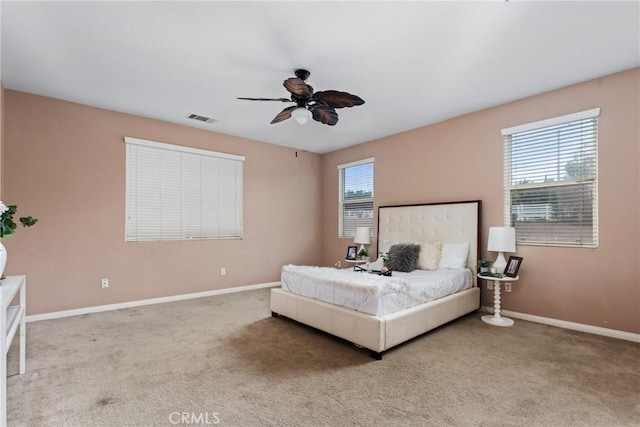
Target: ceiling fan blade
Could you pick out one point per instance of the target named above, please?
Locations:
(324, 114)
(267, 99)
(297, 87)
(284, 114)
(337, 99)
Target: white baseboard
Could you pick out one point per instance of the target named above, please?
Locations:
(129, 304)
(612, 333)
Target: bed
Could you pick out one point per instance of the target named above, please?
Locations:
(372, 324)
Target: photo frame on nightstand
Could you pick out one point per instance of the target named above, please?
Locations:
(352, 251)
(513, 265)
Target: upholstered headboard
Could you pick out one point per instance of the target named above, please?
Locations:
(454, 222)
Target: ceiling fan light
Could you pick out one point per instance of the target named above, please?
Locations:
(301, 115)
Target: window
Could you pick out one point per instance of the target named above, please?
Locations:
(181, 193)
(355, 200)
(551, 180)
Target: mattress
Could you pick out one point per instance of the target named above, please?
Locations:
(371, 293)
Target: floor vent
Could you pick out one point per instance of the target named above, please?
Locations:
(201, 118)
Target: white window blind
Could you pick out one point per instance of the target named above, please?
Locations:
(181, 193)
(551, 180)
(355, 200)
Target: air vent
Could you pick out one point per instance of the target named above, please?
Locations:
(201, 118)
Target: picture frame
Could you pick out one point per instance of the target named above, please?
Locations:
(352, 252)
(513, 265)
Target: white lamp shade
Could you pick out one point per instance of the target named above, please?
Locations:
(502, 239)
(301, 115)
(363, 236)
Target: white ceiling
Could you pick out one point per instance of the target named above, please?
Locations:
(414, 63)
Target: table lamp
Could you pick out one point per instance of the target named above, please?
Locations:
(362, 237)
(501, 239)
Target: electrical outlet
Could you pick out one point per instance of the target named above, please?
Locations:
(223, 271)
(507, 287)
(105, 283)
(489, 286)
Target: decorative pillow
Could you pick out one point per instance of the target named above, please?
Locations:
(430, 253)
(454, 255)
(403, 257)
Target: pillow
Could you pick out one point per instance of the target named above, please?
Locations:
(454, 255)
(429, 258)
(403, 257)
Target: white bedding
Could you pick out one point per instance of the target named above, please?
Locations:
(370, 293)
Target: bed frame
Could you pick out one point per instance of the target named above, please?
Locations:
(448, 222)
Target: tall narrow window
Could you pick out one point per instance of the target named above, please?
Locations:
(181, 193)
(551, 180)
(355, 200)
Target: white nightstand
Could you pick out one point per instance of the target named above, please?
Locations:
(356, 261)
(12, 320)
(496, 319)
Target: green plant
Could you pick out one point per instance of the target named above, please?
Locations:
(363, 252)
(386, 257)
(484, 263)
(7, 225)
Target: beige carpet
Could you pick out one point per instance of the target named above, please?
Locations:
(224, 359)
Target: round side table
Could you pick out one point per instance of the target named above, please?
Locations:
(496, 319)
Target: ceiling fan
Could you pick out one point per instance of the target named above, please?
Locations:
(320, 105)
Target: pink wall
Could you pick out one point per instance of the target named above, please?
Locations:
(65, 164)
(461, 159)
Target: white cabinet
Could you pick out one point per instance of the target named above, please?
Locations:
(12, 319)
